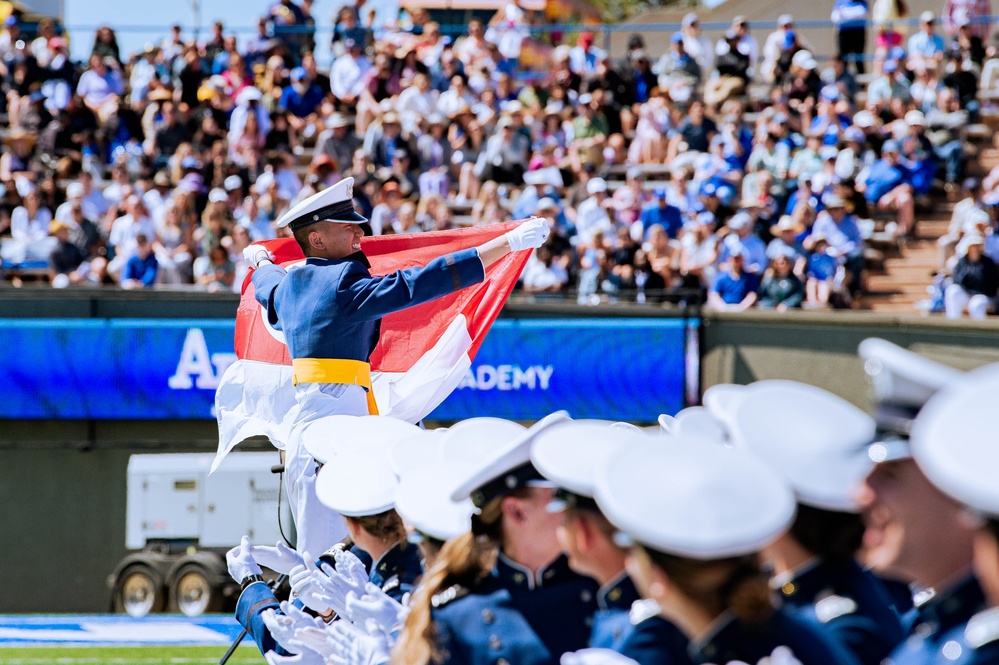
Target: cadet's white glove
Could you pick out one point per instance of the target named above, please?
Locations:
(282, 627)
(375, 605)
(595, 657)
(304, 658)
(313, 587)
(240, 561)
(254, 254)
(280, 558)
(529, 235)
(344, 643)
(329, 585)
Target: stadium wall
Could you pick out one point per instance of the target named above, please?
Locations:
(63, 482)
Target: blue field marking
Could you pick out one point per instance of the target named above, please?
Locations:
(115, 630)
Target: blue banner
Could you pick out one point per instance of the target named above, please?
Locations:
(615, 369)
(143, 369)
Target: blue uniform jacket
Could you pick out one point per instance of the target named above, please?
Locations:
(656, 641)
(331, 309)
(612, 620)
(850, 604)
(938, 634)
(734, 640)
(395, 573)
(511, 618)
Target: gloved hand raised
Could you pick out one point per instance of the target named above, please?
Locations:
(282, 628)
(304, 658)
(280, 558)
(316, 586)
(344, 643)
(254, 254)
(529, 235)
(240, 561)
(377, 606)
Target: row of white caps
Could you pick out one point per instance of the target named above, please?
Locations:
(715, 481)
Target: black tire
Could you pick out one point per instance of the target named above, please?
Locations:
(193, 592)
(139, 591)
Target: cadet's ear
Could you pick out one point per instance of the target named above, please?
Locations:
(316, 240)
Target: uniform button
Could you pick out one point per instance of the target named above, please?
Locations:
(586, 596)
(614, 595)
(488, 616)
(494, 642)
(519, 578)
(788, 588)
(549, 574)
(952, 650)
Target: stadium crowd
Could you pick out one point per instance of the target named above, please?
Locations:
(660, 172)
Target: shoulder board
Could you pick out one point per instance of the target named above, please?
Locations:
(448, 595)
(834, 607)
(391, 583)
(982, 628)
(642, 610)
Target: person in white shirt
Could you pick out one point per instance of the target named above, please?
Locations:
(591, 216)
(774, 44)
(126, 229)
(347, 75)
(29, 230)
(696, 45)
(75, 193)
(416, 102)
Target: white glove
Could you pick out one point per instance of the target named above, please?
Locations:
(529, 235)
(377, 606)
(254, 254)
(595, 657)
(344, 643)
(313, 587)
(304, 658)
(240, 561)
(280, 558)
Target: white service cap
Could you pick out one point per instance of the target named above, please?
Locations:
(423, 499)
(953, 440)
(476, 439)
(814, 439)
(508, 469)
(333, 204)
(328, 437)
(570, 453)
(692, 500)
(358, 483)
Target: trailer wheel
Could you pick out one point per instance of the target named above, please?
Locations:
(139, 591)
(192, 592)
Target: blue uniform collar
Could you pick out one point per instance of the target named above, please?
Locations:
(401, 561)
(618, 594)
(716, 641)
(511, 574)
(805, 585)
(952, 608)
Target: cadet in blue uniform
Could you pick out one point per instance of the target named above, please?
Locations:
(329, 311)
(811, 437)
(915, 532)
(954, 442)
(527, 608)
(569, 454)
(697, 515)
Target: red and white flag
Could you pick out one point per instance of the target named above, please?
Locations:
(422, 355)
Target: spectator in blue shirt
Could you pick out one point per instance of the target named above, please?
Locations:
(301, 99)
(886, 185)
(926, 44)
(141, 269)
(821, 272)
(744, 241)
(661, 212)
(734, 290)
(839, 228)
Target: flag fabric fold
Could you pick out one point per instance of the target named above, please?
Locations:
(422, 354)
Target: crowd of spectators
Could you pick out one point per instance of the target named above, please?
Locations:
(742, 172)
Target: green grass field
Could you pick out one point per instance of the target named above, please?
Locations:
(163, 655)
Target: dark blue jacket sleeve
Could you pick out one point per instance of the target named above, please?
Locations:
(252, 602)
(266, 279)
(364, 298)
